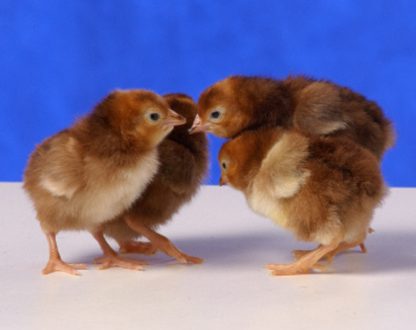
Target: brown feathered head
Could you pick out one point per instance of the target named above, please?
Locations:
(239, 103)
(136, 116)
(240, 158)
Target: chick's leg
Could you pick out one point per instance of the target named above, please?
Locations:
(306, 263)
(55, 263)
(110, 258)
(132, 246)
(344, 247)
(297, 254)
(162, 243)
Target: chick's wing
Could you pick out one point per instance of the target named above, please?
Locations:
(318, 110)
(281, 172)
(62, 163)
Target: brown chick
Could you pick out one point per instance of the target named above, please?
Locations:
(322, 189)
(183, 164)
(86, 175)
(239, 103)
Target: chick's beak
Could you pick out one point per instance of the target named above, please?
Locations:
(197, 126)
(223, 181)
(174, 119)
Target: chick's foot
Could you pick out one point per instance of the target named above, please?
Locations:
(110, 257)
(170, 249)
(307, 262)
(187, 259)
(108, 261)
(162, 243)
(57, 265)
(288, 269)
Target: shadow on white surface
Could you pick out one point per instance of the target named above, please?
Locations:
(387, 252)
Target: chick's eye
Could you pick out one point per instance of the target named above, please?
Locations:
(154, 116)
(224, 165)
(215, 114)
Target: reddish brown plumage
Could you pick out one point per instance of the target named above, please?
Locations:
(320, 188)
(89, 173)
(183, 163)
(315, 107)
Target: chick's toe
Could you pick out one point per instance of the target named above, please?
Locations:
(57, 265)
(108, 261)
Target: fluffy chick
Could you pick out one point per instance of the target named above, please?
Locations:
(317, 107)
(322, 189)
(89, 173)
(183, 164)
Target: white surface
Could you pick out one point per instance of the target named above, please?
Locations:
(231, 290)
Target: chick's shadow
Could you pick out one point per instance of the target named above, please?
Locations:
(387, 251)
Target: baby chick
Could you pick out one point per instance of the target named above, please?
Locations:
(86, 175)
(183, 163)
(316, 107)
(322, 189)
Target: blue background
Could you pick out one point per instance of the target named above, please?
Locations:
(58, 58)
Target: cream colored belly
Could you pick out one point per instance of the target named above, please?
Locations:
(101, 203)
(268, 207)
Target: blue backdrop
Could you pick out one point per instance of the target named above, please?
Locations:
(58, 58)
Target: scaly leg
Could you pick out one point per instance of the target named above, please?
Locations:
(55, 263)
(162, 243)
(110, 258)
(344, 247)
(297, 254)
(306, 263)
(132, 246)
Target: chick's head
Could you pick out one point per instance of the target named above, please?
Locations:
(138, 116)
(241, 158)
(222, 110)
(236, 162)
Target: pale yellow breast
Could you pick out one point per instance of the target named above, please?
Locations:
(264, 204)
(99, 203)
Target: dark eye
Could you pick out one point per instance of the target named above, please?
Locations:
(224, 165)
(154, 116)
(215, 114)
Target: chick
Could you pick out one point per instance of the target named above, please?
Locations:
(322, 189)
(316, 107)
(183, 164)
(86, 175)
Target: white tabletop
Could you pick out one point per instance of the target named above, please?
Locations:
(231, 290)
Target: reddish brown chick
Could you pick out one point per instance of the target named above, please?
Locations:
(322, 189)
(317, 107)
(89, 173)
(183, 164)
